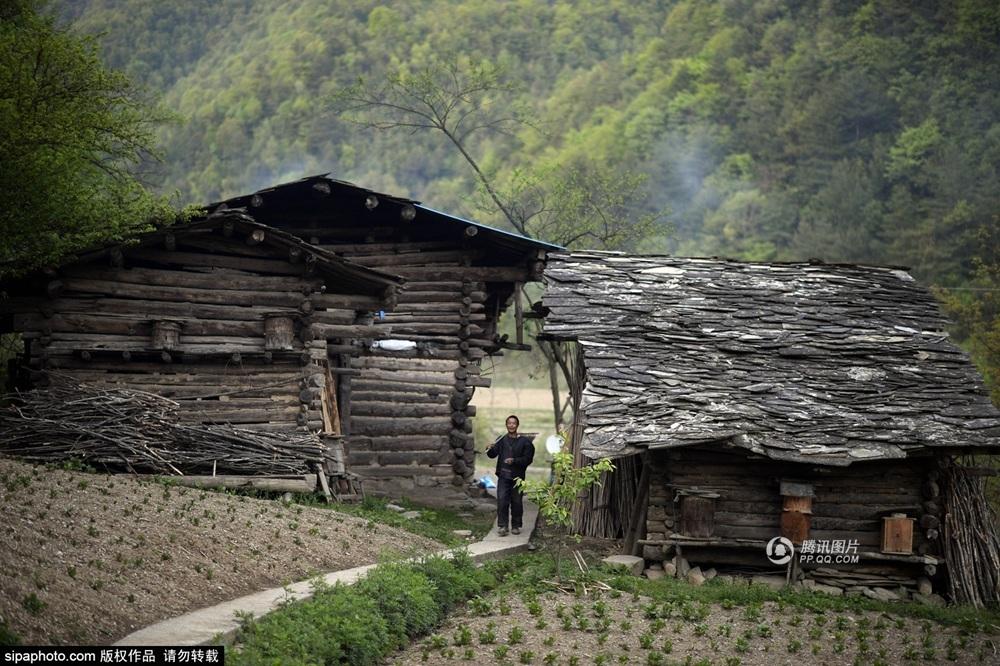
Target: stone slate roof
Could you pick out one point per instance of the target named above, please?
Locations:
(806, 362)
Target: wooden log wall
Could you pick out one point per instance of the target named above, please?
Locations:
(217, 322)
(411, 421)
(849, 502)
(423, 397)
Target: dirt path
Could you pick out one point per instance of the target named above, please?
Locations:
(86, 558)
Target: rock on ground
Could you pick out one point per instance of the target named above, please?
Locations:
(633, 564)
(774, 582)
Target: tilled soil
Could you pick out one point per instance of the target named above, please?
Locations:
(617, 628)
(88, 558)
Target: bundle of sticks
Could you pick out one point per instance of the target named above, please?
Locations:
(136, 431)
(970, 540)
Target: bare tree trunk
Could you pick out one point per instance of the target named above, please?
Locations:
(513, 219)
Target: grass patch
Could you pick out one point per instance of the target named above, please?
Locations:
(362, 624)
(436, 524)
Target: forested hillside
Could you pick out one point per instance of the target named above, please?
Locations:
(847, 131)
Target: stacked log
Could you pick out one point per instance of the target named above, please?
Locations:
(412, 424)
(422, 395)
(234, 331)
(849, 502)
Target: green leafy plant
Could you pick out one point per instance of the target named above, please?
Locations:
(405, 598)
(555, 500)
(462, 637)
(488, 635)
(33, 604)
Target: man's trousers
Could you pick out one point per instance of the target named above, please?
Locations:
(509, 499)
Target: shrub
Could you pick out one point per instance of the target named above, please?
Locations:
(338, 625)
(454, 580)
(362, 624)
(405, 598)
(8, 637)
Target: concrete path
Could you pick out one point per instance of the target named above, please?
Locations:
(218, 624)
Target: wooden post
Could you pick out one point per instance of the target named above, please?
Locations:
(518, 314)
(638, 511)
(344, 396)
(321, 478)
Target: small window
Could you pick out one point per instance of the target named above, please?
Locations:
(279, 333)
(166, 335)
(697, 512)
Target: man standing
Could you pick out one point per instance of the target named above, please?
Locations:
(513, 453)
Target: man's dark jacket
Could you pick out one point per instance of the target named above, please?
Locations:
(520, 449)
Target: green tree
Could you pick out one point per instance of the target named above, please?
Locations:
(975, 308)
(555, 500)
(72, 134)
(579, 203)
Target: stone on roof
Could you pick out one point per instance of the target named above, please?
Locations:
(806, 362)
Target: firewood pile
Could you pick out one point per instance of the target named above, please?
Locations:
(971, 543)
(142, 432)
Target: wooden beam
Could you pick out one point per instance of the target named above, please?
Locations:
(518, 314)
(303, 484)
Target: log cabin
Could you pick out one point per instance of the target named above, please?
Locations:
(228, 317)
(409, 426)
(815, 402)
